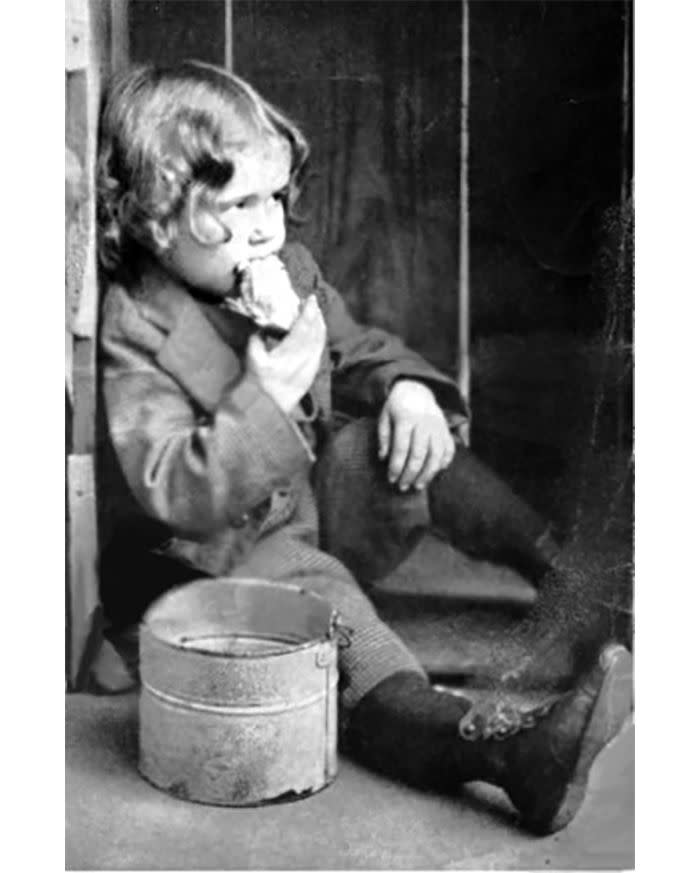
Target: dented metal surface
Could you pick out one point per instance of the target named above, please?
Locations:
(238, 703)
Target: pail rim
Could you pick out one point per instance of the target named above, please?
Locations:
(166, 634)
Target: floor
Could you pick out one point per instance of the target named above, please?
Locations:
(117, 821)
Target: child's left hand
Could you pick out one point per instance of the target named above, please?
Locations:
(413, 433)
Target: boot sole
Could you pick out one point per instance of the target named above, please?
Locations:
(610, 716)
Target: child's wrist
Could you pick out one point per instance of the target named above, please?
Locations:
(406, 383)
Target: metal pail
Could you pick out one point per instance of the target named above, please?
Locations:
(238, 701)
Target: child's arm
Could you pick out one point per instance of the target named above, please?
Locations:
(368, 361)
(420, 410)
(195, 473)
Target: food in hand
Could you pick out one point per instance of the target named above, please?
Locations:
(263, 292)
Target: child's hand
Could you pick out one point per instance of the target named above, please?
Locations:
(287, 372)
(413, 426)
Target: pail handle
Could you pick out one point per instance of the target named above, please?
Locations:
(339, 631)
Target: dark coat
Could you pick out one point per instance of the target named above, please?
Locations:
(203, 448)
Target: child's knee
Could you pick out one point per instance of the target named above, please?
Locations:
(354, 444)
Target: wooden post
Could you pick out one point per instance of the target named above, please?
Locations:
(624, 329)
(228, 35)
(119, 35)
(463, 370)
(88, 44)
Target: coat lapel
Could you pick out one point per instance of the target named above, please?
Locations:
(193, 352)
(204, 346)
(198, 358)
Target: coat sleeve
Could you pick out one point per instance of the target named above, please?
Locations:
(195, 473)
(368, 360)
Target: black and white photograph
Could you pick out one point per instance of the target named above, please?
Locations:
(350, 435)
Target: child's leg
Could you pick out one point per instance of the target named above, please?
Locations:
(364, 521)
(392, 718)
(481, 515)
(395, 722)
(372, 651)
(541, 758)
(371, 526)
(401, 725)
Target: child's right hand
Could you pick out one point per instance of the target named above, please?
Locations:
(287, 372)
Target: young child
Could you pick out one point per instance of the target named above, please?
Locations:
(226, 357)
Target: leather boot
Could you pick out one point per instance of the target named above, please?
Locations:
(542, 758)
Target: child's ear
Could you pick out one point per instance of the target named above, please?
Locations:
(206, 228)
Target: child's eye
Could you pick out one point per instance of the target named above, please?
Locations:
(228, 205)
(282, 194)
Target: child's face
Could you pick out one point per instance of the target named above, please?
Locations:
(251, 207)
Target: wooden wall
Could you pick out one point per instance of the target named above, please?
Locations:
(95, 47)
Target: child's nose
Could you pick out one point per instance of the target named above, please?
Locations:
(260, 235)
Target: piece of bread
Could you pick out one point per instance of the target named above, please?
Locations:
(264, 293)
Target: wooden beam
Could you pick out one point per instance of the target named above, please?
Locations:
(119, 35)
(228, 35)
(463, 369)
(88, 45)
(77, 35)
(82, 591)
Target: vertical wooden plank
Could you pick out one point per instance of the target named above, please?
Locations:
(626, 101)
(625, 310)
(85, 105)
(83, 598)
(76, 59)
(119, 35)
(77, 35)
(463, 369)
(74, 194)
(82, 108)
(228, 25)
(87, 23)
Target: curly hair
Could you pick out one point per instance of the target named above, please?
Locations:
(170, 132)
